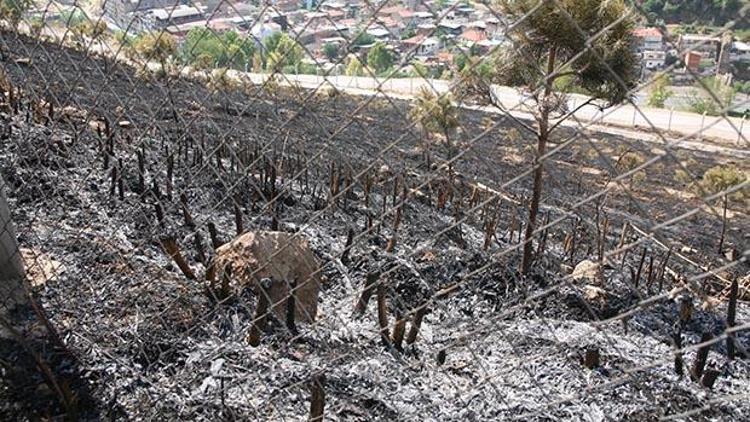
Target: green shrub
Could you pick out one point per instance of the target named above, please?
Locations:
(629, 160)
(720, 178)
(681, 176)
(12, 10)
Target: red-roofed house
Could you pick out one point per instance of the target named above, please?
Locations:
(649, 39)
(445, 57)
(398, 13)
(473, 36)
(392, 25)
(415, 40)
(336, 15)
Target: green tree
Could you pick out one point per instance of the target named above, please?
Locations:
(407, 33)
(220, 84)
(331, 51)
(419, 70)
(286, 52)
(87, 29)
(274, 62)
(720, 179)
(354, 66)
(712, 96)
(272, 42)
(202, 46)
(161, 47)
(11, 11)
(158, 46)
(363, 38)
(435, 114)
(552, 40)
(660, 91)
(653, 6)
(712, 12)
(459, 60)
(73, 17)
(379, 58)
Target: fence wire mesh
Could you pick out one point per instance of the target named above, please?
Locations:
(363, 210)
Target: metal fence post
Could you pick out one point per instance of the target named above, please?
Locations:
(11, 265)
(739, 132)
(671, 113)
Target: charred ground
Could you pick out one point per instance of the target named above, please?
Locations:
(152, 344)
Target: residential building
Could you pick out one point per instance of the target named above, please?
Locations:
(740, 52)
(472, 36)
(649, 39)
(452, 28)
(653, 60)
(121, 12)
(380, 34)
(176, 15)
(422, 45)
(708, 46)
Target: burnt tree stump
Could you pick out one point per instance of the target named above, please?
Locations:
(317, 398)
(383, 315)
(416, 323)
(701, 357)
(591, 358)
(731, 313)
(369, 287)
(709, 377)
(261, 314)
(173, 250)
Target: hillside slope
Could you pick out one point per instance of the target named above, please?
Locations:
(154, 345)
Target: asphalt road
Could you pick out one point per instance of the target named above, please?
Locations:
(690, 130)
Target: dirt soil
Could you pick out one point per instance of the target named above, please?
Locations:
(152, 344)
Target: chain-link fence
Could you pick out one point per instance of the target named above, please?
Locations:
(356, 210)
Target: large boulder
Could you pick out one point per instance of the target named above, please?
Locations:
(282, 258)
(587, 271)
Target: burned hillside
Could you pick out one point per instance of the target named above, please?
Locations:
(122, 188)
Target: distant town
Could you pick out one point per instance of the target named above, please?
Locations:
(432, 38)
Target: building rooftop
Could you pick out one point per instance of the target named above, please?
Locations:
(451, 25)
(699, 37)
(180, 11)
(417, 39)
(423, 15)
(473, 35)
(390, 10)
(649, 32)
(379, 32)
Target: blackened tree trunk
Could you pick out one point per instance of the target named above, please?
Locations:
(541, 148)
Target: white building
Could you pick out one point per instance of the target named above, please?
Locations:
(740, 52)
(653, 60)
